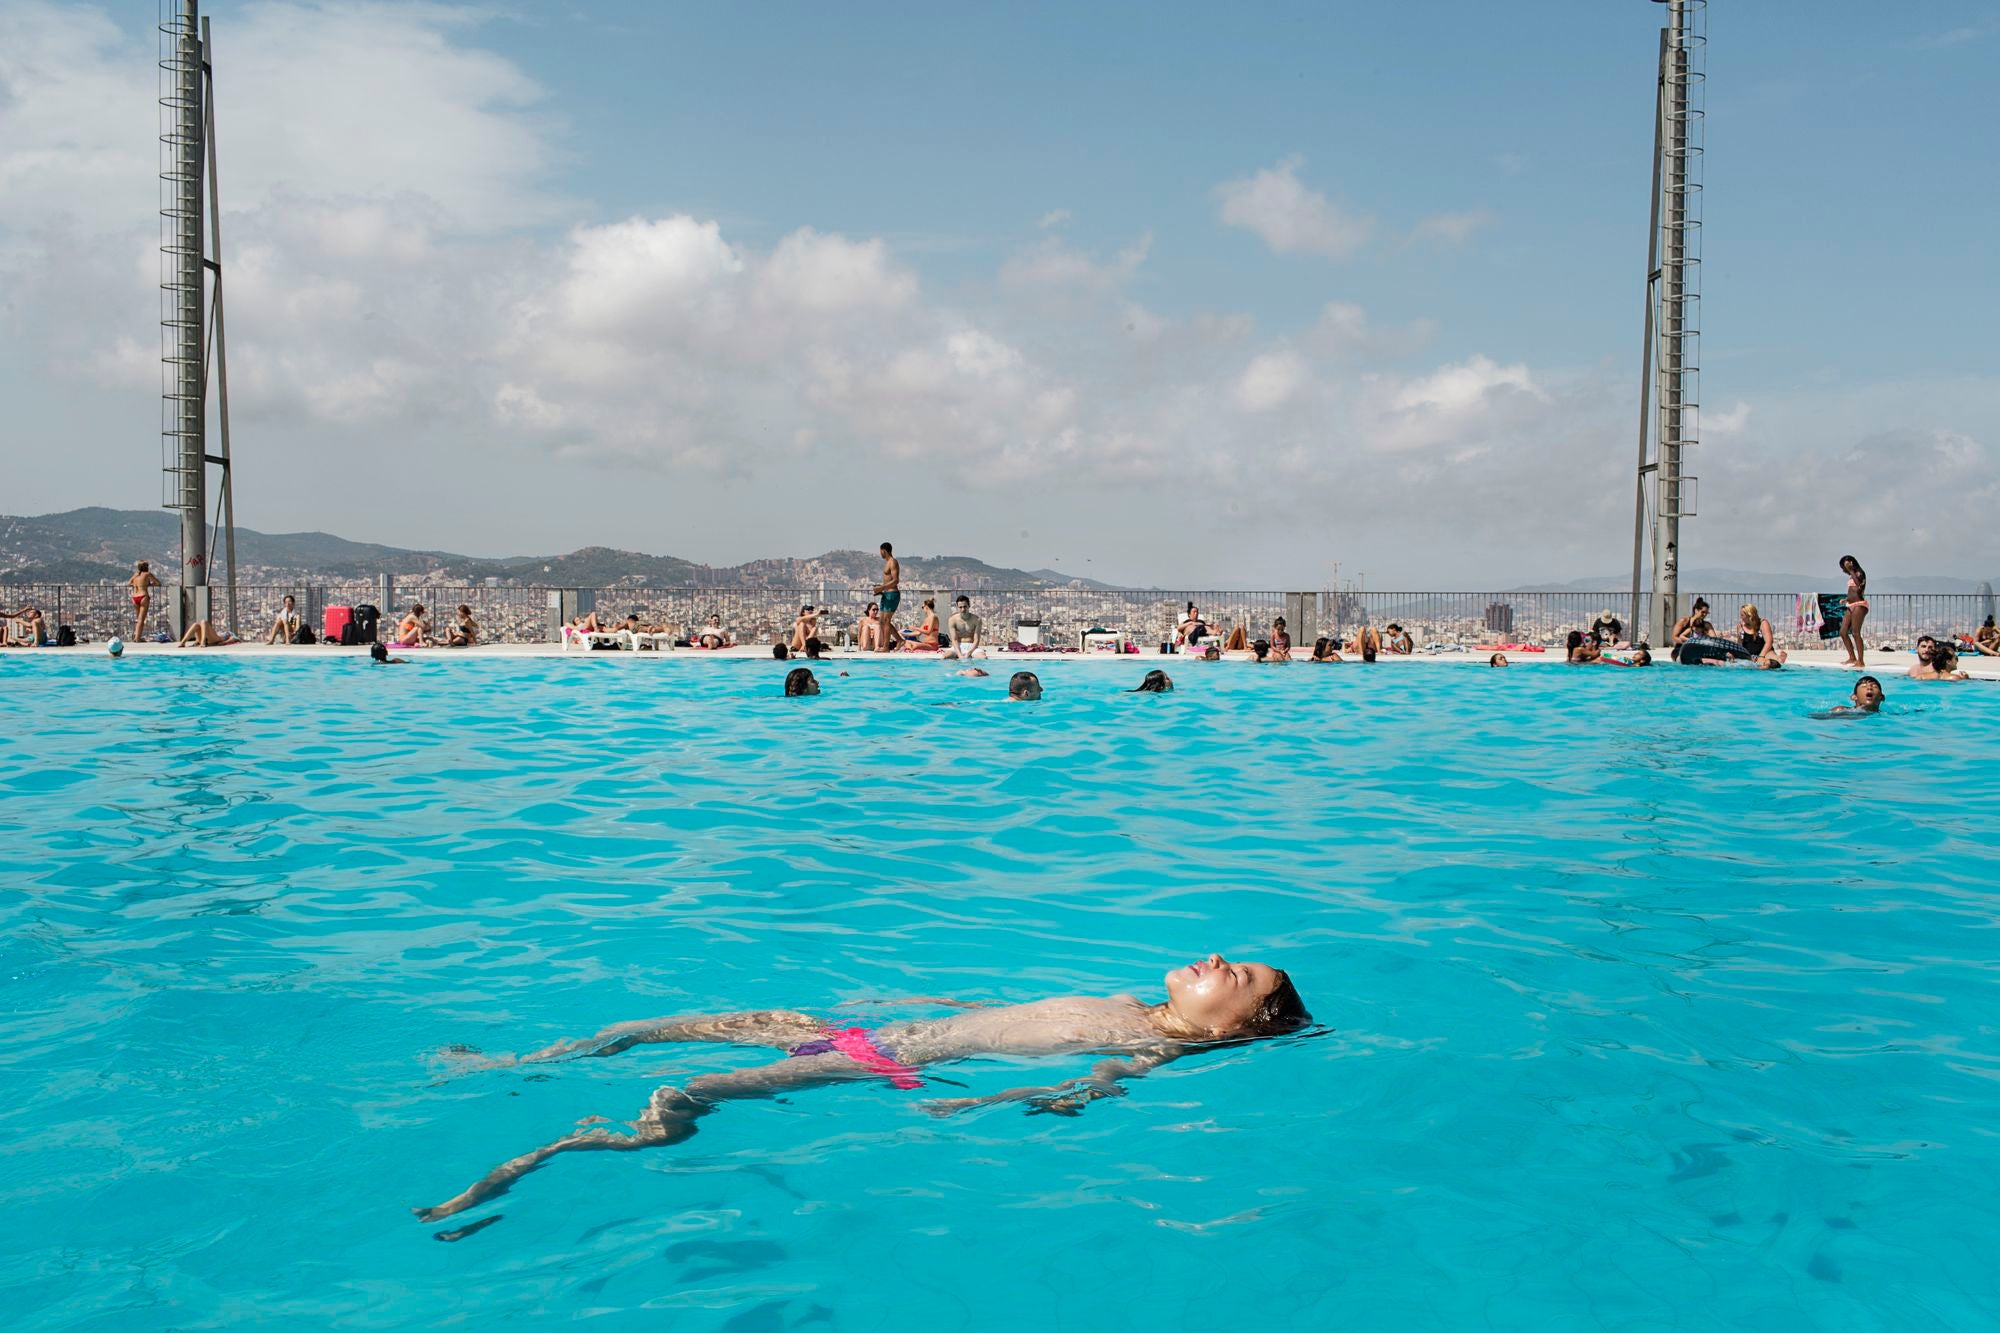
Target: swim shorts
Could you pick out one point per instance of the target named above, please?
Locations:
(891, 600)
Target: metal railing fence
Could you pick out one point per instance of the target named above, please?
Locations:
(519, 614)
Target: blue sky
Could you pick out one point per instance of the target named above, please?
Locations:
(1194, 294)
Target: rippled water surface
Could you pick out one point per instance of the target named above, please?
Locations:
(1657, 1004)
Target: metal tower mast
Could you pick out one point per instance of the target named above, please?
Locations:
(189, 313)
(1670, 383)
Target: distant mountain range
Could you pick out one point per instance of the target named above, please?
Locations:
(99, 545)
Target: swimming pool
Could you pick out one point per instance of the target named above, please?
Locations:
(1656, 1003)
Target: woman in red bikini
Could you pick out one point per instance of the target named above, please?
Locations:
(142, 583)
(1857, 610)
(1209, 1002)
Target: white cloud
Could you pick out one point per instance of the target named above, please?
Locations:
(1722, 425)
(1055, 264)
(1269, 381)
(1289, 218)
(1451, 228)
(1055, 217)
(831, 274)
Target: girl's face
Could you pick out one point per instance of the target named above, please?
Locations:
(1219, 995)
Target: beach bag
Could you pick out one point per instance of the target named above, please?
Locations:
(305, 635)
(65, 636)
(367, 620)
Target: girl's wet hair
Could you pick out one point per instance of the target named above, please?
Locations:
(1262, 648)
(800, 681)
(1155, 682)
(1279, 1012)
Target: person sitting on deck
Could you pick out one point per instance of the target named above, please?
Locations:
(712, 635)
(1398, 640)
(1238, 641)
(204, 634)
(26, 628)
(1192, 628)
(925, 638)
(1694, 623)
(463, 632)
(868, 632)
(966, 629)
(1281, 641)
(414, 630)
(1987, 640)
(286, 624)
(1209, 1003)
(804, 626)
(1607, 629)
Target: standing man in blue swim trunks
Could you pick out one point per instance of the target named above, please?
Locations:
(889, 590)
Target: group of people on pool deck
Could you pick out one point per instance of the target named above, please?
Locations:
(1195, 636)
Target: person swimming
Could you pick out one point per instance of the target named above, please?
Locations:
(1155, 682)
(1867, 700)
(1024, 685)
(1209, 1002)
(800, 681)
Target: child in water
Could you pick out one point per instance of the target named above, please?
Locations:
(1209, 1001)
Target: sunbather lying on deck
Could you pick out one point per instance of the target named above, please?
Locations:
(1210, 1002)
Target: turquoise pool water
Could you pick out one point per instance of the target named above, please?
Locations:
(1657, 1004)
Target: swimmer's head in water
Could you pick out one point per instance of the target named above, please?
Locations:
(1498, 659)
(799, 681)
(1868, 694)
(116, 647)
(379, 651)
(780, 651)
(1024, 685)
(1642, 658)
(1156, 682)
(1225, 999)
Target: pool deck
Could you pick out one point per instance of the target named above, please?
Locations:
(1884, 664)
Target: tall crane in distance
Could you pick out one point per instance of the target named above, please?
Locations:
(191, 325)
(1670, 378)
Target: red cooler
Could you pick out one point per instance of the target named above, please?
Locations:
(338, 618)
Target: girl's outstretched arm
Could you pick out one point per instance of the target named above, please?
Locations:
(1071, 1095)
(779, 1028)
